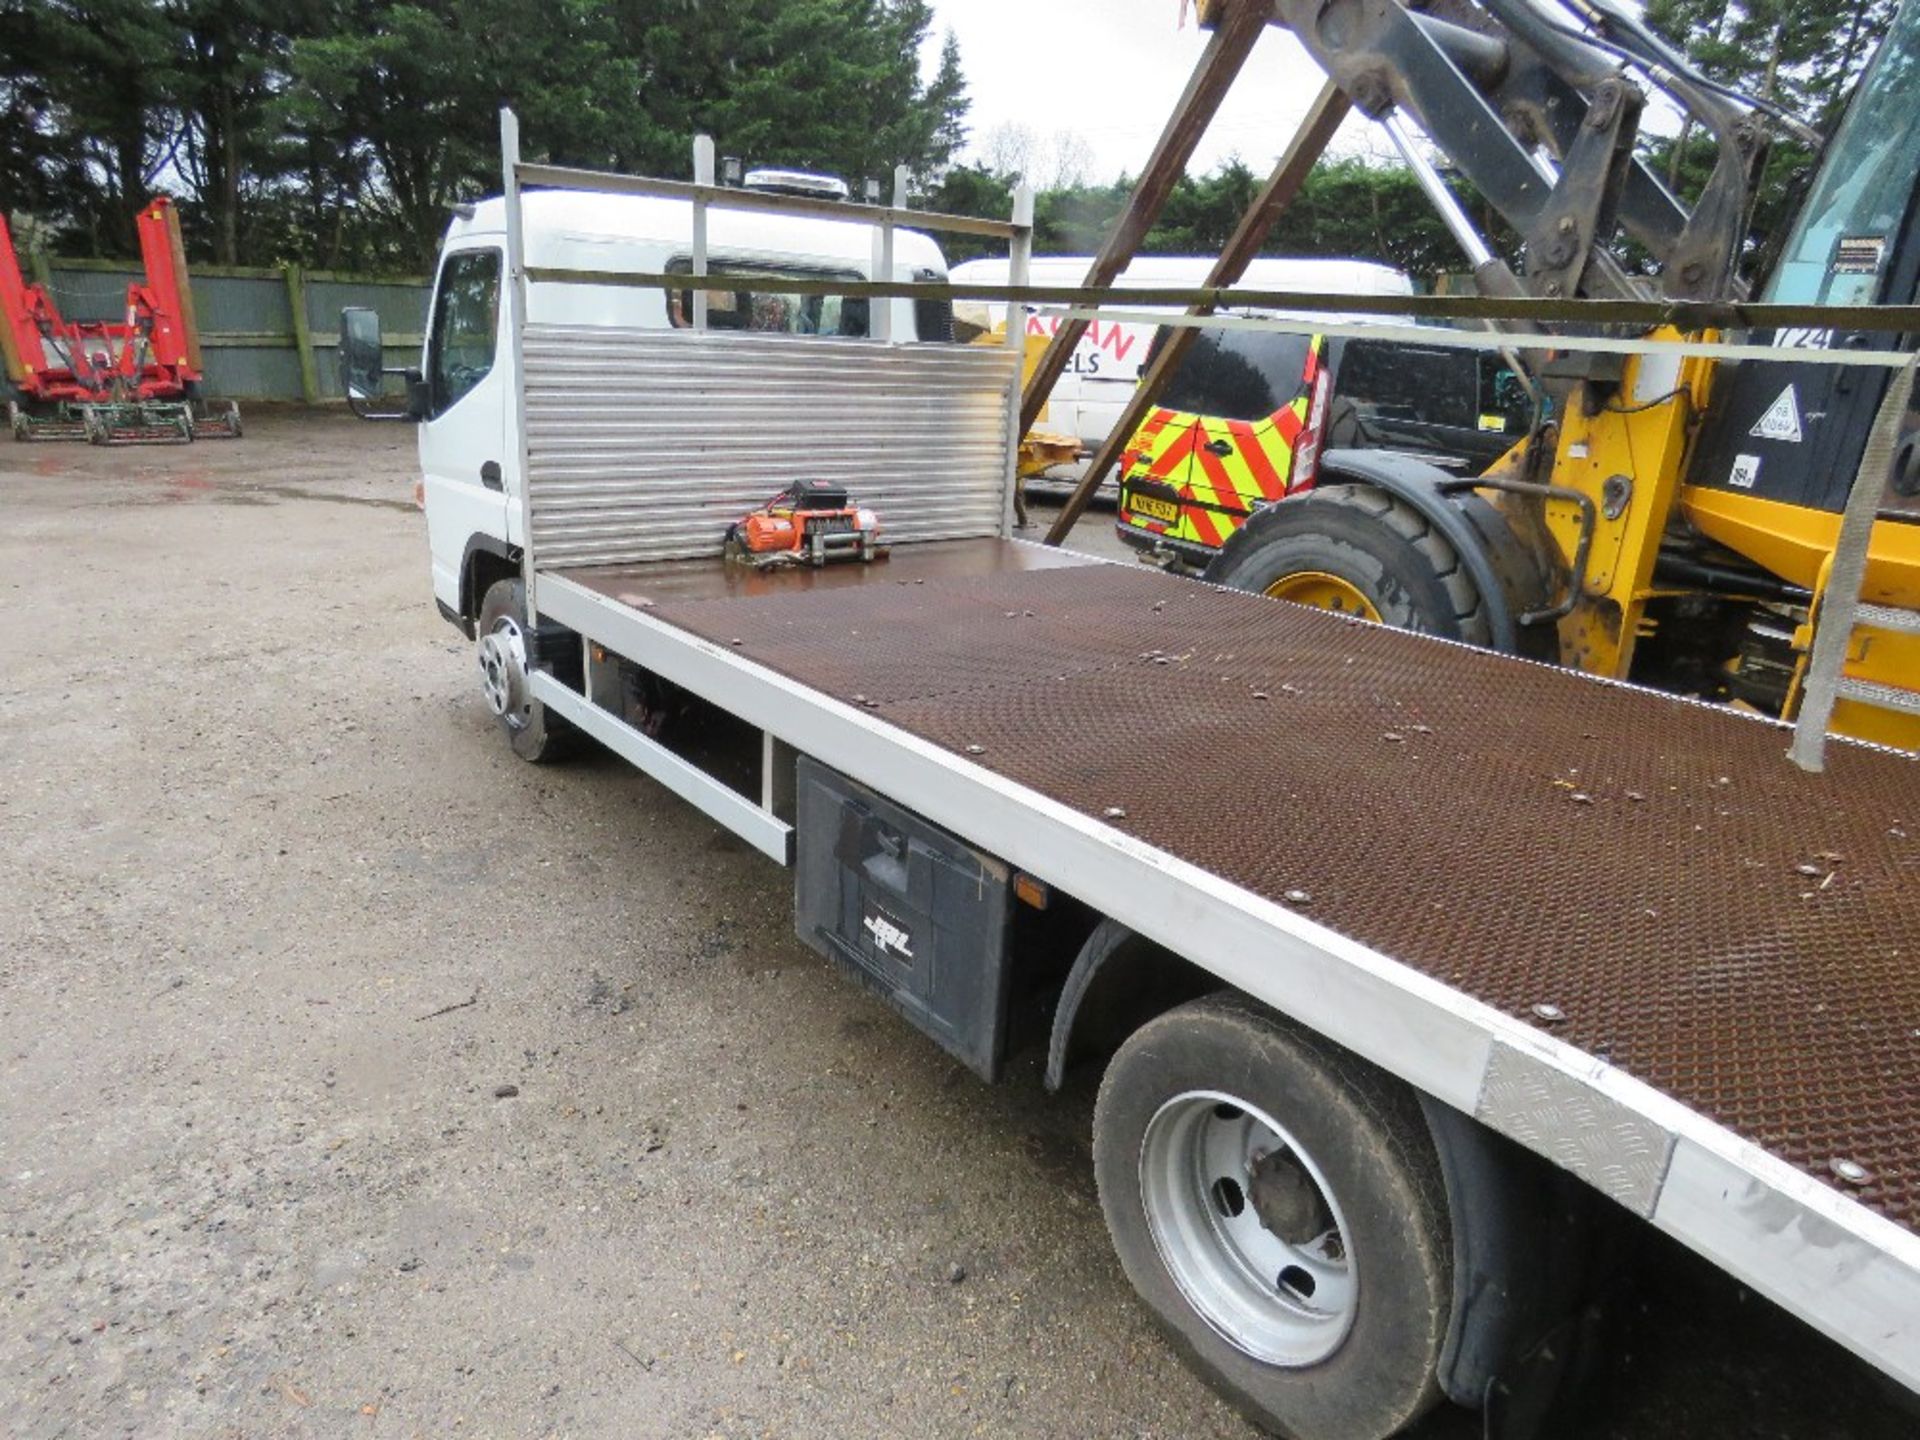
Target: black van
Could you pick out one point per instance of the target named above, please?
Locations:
(1245, 418)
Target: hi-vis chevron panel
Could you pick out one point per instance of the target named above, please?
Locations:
(1196, 478)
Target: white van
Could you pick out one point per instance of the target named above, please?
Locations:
(1105, 366)
(463, 393)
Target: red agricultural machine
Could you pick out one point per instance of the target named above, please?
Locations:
(111, 382)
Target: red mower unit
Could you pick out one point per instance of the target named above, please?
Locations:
(110, 382)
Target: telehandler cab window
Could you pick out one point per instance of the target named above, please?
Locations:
(466, 316)
(1503, 397)
(1843, 233)
(746, 309)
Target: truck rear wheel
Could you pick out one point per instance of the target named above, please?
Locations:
(1279, 1206)
(502, 653)
(1357, 550)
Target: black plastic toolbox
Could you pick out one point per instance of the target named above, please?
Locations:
(910, 910)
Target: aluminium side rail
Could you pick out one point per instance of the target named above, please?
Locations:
(1849, 1271)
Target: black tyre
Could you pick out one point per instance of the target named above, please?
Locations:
(502, 652)
(1278, 1204)
(1356, 549)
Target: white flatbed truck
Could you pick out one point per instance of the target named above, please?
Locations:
(1408, 964)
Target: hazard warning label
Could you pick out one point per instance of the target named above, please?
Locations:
(1782, 420)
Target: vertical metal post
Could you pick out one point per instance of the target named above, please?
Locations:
(514, 292)
(1225, 54)
(880, 308)
(902, 180)
(1019, 256)
(702, 175)
(302, 339)
(1846, 574)
(777, 775)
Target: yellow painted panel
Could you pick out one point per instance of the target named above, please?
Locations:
(1794, 542)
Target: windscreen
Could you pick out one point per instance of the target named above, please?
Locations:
(739, 307)
(1239, 374)
(1834, 255)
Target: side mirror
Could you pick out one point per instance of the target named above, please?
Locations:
(363, 369)
(362, 357)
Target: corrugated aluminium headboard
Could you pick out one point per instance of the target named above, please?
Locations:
(646, 444)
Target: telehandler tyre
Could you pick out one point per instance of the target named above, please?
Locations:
(502, 652)
(1279, 1205)
(1357, 550)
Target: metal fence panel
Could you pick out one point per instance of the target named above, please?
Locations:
(92, 293)
(400, 304)
(237, 305)
(646, 444)
(246, 319)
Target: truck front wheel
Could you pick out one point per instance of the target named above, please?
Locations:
(502, 653)
(1278, 1204)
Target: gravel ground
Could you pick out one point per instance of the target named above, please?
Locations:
(359, 1080)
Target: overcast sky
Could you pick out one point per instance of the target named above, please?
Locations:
(1110, 70)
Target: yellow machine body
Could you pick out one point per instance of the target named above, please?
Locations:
(1797, 544)
(1629, 457)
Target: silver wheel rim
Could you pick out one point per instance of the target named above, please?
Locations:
(1217, 1178)
(503, 672)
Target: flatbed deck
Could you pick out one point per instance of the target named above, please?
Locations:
(1653, 948)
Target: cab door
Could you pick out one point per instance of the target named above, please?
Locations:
(468, 467)
(1449, 407)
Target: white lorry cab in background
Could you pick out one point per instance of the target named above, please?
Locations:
(463, 393)
(1105, 366)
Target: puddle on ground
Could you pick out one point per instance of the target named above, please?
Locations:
(155, 475)
(295, 492)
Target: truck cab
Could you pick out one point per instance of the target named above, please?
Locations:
(464, 392)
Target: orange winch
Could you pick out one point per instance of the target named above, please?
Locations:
(808, 523)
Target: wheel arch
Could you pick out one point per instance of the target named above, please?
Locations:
(1119, 981)
(486, 559)
(1502, 567)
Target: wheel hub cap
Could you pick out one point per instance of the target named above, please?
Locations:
(503, 670)
(1247, 1227)
(1324, 590)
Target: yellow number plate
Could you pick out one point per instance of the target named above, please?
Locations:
(1154, 508)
